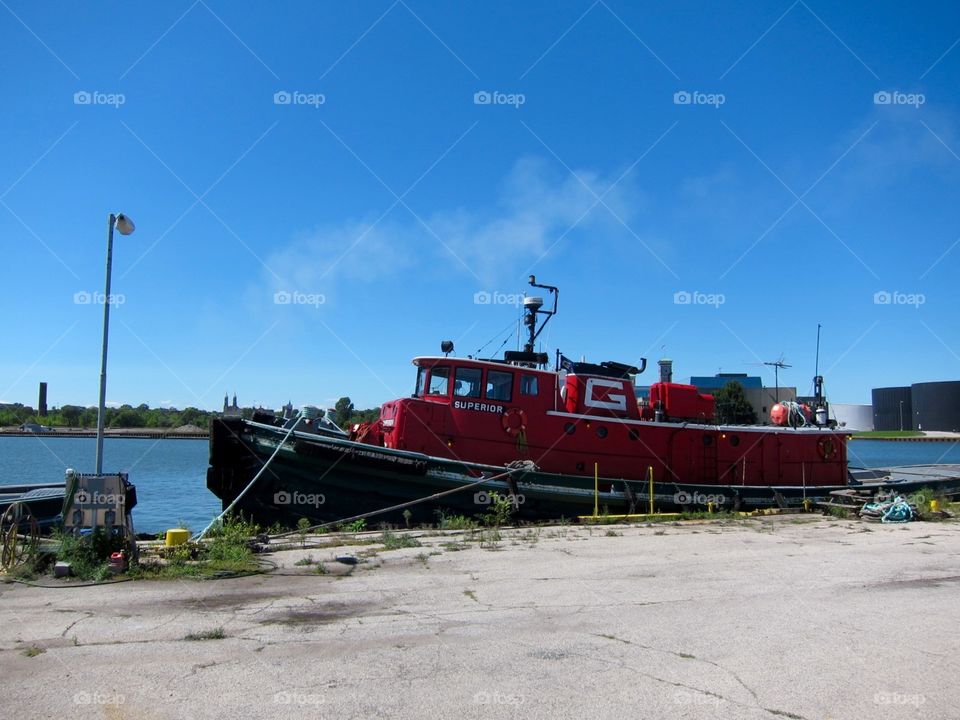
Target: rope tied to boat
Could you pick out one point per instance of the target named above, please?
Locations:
(293, 426)
(436, 496)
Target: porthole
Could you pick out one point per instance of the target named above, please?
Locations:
(601, 432)
(569, 428)
(632, 435)
(734, 440)
(707, 440)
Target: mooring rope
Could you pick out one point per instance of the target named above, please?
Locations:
(411, 503)
(218, 518)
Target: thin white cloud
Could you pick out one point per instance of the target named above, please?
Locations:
(536, 205)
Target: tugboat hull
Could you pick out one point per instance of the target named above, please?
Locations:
(325, 478)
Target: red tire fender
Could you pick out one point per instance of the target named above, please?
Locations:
(827, 448)
(514, 422)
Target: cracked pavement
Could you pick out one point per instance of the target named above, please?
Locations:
(780, 617)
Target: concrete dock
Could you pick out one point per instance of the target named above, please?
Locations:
(780, 617)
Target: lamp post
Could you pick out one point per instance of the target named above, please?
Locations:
(124, 226)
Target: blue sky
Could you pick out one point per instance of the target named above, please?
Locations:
(733, 155)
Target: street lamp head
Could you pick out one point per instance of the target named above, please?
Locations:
(124, 224)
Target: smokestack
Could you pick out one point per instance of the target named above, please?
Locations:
(42, 402)
(666, 370)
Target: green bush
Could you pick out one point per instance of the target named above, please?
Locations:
(89, 555)
(229, 546)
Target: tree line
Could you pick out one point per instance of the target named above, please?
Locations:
(125, 416)
(144, 416)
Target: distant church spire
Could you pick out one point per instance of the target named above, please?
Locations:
(230, 409)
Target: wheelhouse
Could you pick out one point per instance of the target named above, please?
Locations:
(483, 385)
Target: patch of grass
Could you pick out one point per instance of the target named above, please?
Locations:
(612, 533)
(321, 569)
(500, 510)
(231, 542)
(454, 546)
(303, 526)
(454, 522)
(35, 566)
(33, 651)
(392, 541)
(308, 560)
(216, 634)
(531, 535)
(490, 538)
(228, 552)
(354, 527)
(922, 499)
(605, 518)
(88, 555)
(704, 515)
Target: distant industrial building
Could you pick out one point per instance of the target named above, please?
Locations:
(892, 408)
(921, 406)
(708, 383)
(856, 418)
(761, 398)
(936, 405)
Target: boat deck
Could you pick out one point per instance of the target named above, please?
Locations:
(905, 473)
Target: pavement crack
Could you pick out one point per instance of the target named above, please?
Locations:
(86, 616)
(728, 671)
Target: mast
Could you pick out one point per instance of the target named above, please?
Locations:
(532, 307)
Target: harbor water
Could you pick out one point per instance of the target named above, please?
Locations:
(886, 453)
(170, 475)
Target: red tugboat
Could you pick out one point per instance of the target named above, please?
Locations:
(497, 412)
(559, 442)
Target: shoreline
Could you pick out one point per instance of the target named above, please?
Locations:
(133, 433)
(911, 439)
(930, 436)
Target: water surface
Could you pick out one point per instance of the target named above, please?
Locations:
(170, 475)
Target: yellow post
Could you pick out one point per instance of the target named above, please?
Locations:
(650, 474)
(596, 490)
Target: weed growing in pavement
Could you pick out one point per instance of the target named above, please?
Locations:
(454, 522)
(392, 541)
(216, 634)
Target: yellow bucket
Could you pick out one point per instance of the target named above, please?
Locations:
(934, 506)
(177, 536)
